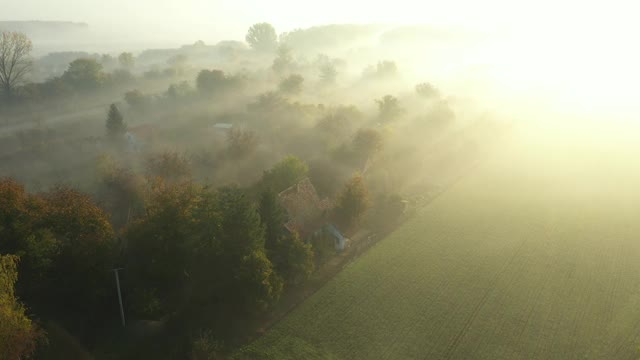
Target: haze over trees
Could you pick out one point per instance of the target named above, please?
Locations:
(226, 182)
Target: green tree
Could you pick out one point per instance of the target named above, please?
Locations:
(179, 91)
(340, 121)
(327, 68)
(210, 81)
(328, 73)
(214, 82)
(18, 335)
(389, 108)
(126, 60)
(441, 115)
(368, 142)
(137, 100)
(427, 91)
(262, 37)
(116, 127)
(241, 143)
(84, 74)
(351, 203)
(78, 284)
(273, 218)
(161, 245)
(15, 62)
(292, 259)
(386, 69)
(283, 61)
(242, 231)
(284, 174)
(291, 84)
(179, 63)
(169, 165)
(120, 77)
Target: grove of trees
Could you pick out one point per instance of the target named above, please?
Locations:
(193, 215)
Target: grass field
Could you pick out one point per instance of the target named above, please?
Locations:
(536, 255)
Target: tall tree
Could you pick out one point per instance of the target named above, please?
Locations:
(262, 37)
(15, 62)
(116, 128)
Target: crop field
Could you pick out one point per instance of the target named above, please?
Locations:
(536, 255)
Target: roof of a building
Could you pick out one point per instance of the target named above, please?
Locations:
(304, 207)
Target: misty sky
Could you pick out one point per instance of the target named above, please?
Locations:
(584, 50)
(203, 18)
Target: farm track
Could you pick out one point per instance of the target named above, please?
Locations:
(511, 263)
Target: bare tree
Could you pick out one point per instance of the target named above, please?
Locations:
(15, 61)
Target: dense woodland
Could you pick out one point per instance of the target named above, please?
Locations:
(170, 166)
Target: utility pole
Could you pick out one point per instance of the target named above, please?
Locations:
(115, 271)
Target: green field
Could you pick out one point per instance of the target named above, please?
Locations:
(536, 255)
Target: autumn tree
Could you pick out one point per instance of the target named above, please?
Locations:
(262, 37)
(66, 243)
(18, 334)
(15, 62)
(116, 127)
(352, 203)
(120, 190)
(168, 165)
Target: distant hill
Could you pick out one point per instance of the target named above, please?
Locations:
(43, 28)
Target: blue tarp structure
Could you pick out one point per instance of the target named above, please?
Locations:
(340, 240)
